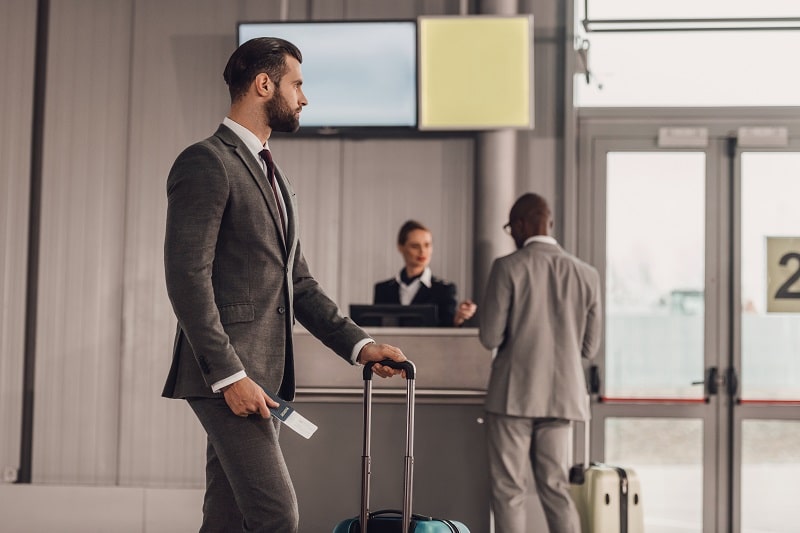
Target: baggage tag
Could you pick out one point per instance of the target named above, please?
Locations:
(290, 417)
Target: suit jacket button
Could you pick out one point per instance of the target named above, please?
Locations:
(281, 310)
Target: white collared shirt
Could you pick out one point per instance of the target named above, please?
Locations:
(249, 138)
(408, 292)
(253, 144)
(540, 238)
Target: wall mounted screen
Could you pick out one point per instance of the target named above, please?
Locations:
(359, 74)
(476, 73)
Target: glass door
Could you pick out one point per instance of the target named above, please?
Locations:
(655, 213)
(699, 247)
(766, 412)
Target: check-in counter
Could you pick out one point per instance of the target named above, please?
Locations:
(450, 466)
(450, 362)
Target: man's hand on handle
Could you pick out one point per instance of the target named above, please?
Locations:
(379, 352)
(245, 397)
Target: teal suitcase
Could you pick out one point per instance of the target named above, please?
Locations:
(391, 520)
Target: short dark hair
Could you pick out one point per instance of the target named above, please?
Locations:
(256, 56)
(408, 227)
(531, 207)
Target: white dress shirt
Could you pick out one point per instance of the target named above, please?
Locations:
(407, 292)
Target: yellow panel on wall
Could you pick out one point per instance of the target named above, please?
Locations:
(476, 72)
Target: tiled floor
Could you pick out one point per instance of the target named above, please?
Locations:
(48, 508)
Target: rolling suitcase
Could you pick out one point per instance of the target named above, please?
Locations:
(391, 520)
(608, 497)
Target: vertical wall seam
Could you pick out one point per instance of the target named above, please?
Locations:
(34, 231)
(124, 328)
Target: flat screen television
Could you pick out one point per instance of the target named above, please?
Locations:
(395, 315)
(356, 74)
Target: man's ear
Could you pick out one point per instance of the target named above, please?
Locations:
(262, 84)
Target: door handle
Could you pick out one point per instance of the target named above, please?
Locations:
(712, 382)
(594, 380)
(733, 382)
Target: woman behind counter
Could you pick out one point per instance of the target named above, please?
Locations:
(416, 285)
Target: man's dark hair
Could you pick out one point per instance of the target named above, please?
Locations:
(535, 212)
(408, 227)
(262, 54)
(531, 207)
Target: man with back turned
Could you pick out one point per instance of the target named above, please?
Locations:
(237, 280)
(542, 313)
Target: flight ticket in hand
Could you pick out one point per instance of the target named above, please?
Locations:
(289, 416)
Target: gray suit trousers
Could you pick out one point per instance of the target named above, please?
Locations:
(248, 487)
(516, 444)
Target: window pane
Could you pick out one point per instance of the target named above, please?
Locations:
(636, 9)
(770, 341)
(655, 274)
(770, 470)
(667, 454)
(711, 69)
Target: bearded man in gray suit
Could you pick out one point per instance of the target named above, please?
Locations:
(237, 279)
(542, 314)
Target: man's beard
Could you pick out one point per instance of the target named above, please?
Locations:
(279, 116)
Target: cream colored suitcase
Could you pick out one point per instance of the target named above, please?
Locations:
(609, 500)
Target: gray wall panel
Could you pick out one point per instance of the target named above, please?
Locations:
(177, 98)
(17, 48)
(382, 9)
(540, 158)
(314, 168)
(83, 198)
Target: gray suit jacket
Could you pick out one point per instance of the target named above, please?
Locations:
(235, 285)
(542, 312)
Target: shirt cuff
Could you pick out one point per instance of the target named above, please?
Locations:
(227, 381)
(357, 350)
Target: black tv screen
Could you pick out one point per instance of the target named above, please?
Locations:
(395, 315)
(356, 74)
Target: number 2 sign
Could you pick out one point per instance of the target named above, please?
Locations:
(783, 274)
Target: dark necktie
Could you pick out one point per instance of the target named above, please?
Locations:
(267, 157)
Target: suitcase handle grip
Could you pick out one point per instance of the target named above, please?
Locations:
(408, 366)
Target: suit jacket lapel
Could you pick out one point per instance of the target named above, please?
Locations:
(423, 295)
(257, 173)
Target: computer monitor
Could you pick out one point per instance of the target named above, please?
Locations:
(395, 315)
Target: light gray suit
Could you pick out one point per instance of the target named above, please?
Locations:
(236, 287)
(542, 312)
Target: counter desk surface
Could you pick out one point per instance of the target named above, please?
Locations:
(448, 361)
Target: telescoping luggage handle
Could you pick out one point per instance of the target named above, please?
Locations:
(408, 465)
(576, 473)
